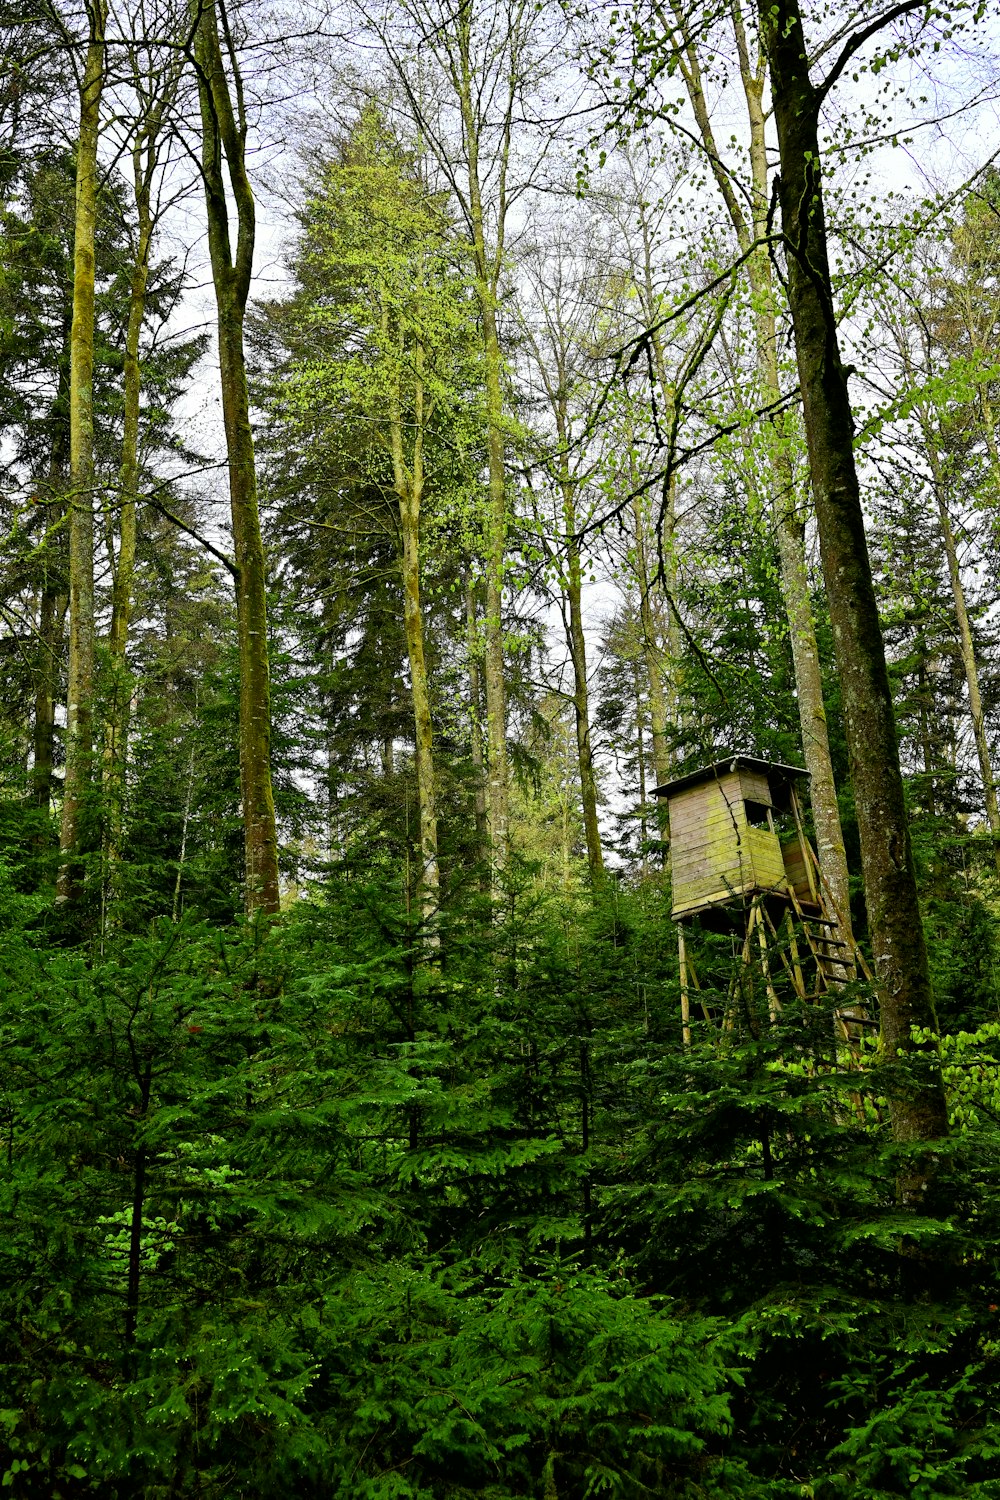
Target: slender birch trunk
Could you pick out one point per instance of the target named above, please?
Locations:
(224, 139)
(918, 1108)
(80, 682)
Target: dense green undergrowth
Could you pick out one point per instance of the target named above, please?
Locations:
(292, 1212)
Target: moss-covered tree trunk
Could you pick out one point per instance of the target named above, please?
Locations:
(224, 139)
(787, 507)
(80, 677)
(789, 521)
(918, 1110)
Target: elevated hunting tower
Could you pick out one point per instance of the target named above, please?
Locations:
(740, 862)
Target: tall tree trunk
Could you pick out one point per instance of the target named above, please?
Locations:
(918, 1109)
(581, 705)
(80, 683)
(224, 137)
(429, 881)
(487, 261)
(409, 481)
(575, 637)
(789, 524)
(145, 157)
(660, 649)
(475, 728)
(660, 631)
(119, 696)
(790, 527)
(52, 605)
(966, 643)
(925, 707)
(640, 754)
(496, 546)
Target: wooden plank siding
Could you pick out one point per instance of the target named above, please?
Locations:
(716, 857)
(710, 860)
(768, 865)
(795, 869)
(754, 787)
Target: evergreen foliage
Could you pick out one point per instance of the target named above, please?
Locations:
(414, 1184)
(294, 1211)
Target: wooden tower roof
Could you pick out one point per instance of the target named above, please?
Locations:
(726, 767)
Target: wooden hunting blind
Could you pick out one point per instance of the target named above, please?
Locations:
(736, 833)
(741, 862)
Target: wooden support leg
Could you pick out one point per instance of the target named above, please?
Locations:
(685, 998)
(773, 1003)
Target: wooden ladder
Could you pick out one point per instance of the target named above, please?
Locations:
(837, 962)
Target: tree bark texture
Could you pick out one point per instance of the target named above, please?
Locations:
(224, 138)
(918, 1111)
(784, 502)
(80, 677)
(790, 530)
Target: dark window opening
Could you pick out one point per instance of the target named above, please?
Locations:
(758, 814)
(784, 820)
